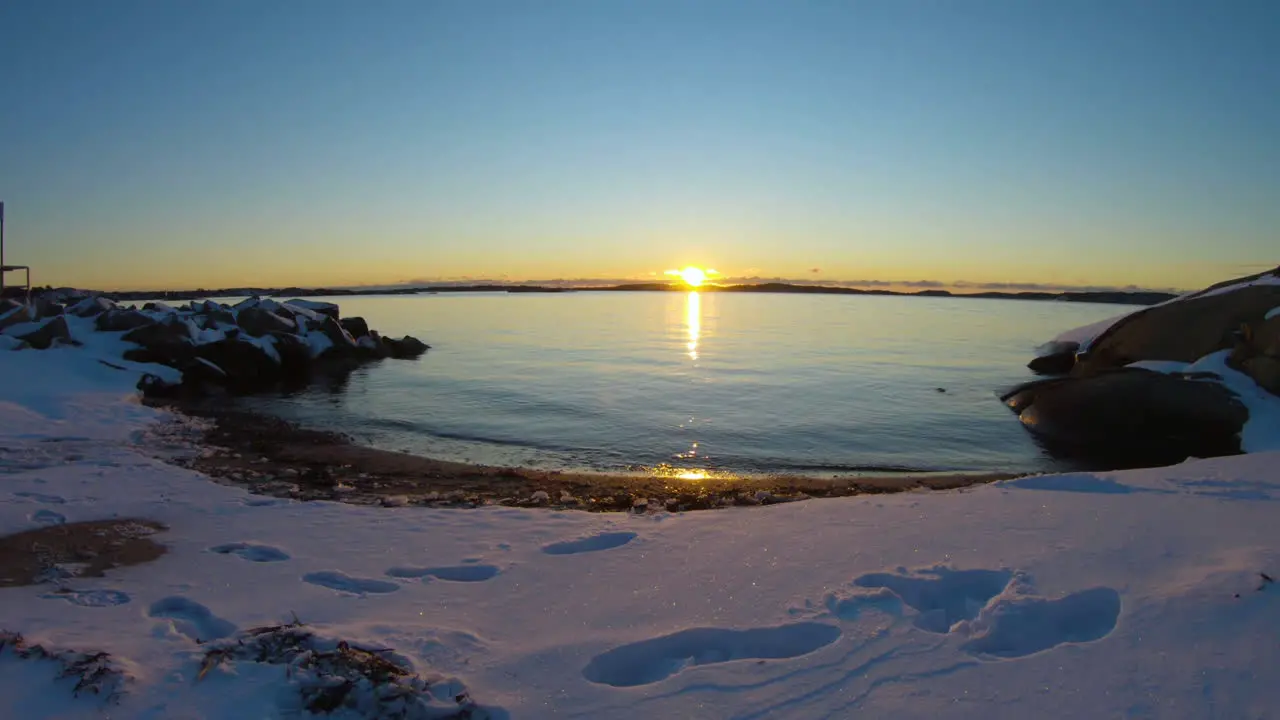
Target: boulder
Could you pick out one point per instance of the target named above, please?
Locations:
(355, 325)
(259, 322)
(8, 305)
(16, 316)
(1131, 418)
(172, 331)
(342, 341)
(247, 366)
(212, 318)
(118, 320)
(406, 348)
(322, 308)
(47, 308)
(1055, 358)
(1185, 330)
(159, 307)
(295, 354)
(92, 306)
(41, 338)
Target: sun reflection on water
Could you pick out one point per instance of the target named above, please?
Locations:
(693, 321)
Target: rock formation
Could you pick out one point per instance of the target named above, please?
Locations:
(259, 344)
(1103, 408)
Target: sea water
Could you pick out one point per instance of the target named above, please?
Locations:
(698, 382)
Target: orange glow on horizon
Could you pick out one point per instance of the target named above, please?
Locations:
(692, 276)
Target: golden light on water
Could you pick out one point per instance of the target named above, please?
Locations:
(692, 475)
(693, 321)
(693, 276)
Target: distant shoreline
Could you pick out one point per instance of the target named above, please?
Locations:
(1106, 297)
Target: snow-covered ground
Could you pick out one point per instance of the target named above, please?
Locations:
(1129, 594)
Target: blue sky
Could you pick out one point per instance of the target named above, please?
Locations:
(171, 143)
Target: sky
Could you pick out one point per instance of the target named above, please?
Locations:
(180, 144)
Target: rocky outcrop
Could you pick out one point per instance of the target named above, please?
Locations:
(1185, 330)
(1102, 409)
(260, 344)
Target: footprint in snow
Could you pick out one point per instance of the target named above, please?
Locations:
(41, 497)
(48, 517)
(1014, 627)
(650, 661)
(345, 583)
(455, 573)
(941, 596)
(594, 543)
(191, 618)
(89, 598)
(252, 552)
(994, 608)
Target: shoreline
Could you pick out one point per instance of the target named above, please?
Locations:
(275, 457)
(1110, 297)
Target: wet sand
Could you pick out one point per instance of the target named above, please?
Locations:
(274, 457)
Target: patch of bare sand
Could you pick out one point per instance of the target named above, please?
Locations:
(83, 549)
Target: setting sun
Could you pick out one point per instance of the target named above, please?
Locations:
(692, 276)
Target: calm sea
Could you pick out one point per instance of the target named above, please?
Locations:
(693, 382)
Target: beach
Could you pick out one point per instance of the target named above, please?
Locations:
(271, 456)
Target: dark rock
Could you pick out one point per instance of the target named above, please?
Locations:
(247, 366)
(342, 341)
(212, 318)
(173, 331)
(92, 306)
(295, 355)
(356, 326)
(46, 308)
(117, 320)
(323, 308)
(406, 348)
(155, 386)
(1131, 418)
(48, 333)
(7, 306)
(258, 322)
(16, 316)
(1185, 330)
(159, 307)
(373, 347)
(1056, 358)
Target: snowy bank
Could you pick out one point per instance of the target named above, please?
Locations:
(1135, 594)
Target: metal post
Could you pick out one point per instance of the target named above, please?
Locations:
(1, 248)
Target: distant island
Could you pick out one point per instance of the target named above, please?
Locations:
(1116, 297)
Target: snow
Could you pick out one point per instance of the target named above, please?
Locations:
(1263, 280)
(26, 328)
(266, 344)
(1118, 594)
(313, 305)
(1087, 334)
(303, 311)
